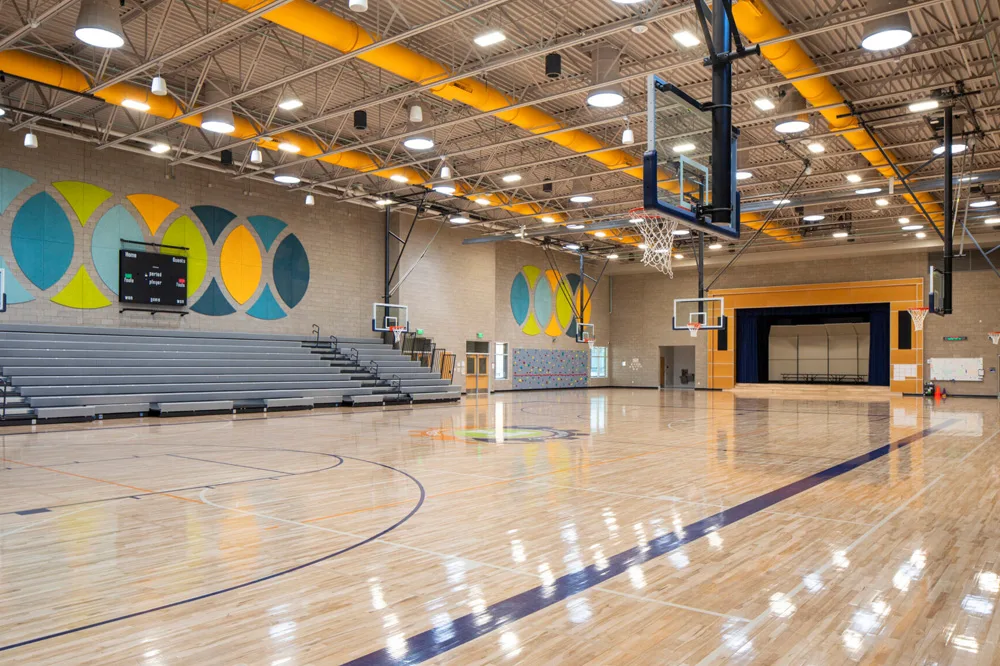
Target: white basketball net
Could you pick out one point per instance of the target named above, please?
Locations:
(590, 344)
(693, 328)
(994, 337)
(918, 315)
(658, 237)
(397, 333)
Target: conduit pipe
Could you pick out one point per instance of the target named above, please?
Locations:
(54, 73)
(307, 19)
(759, 25)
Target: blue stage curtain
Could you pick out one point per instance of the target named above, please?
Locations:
(753, 327)
(747, 346)
(878, 347)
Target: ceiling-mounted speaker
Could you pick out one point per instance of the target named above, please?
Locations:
(226, 157)
(547, 186)
(553, 65)
(360, 120)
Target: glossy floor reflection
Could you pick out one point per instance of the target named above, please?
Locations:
(575, 527)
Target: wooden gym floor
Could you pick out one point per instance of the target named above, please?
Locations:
(569, 527)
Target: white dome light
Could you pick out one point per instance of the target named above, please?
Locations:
(489, 38)
(575, 226)
(548, 219)
(853, 178)
(814, 218)
(399, 178)
(98, 24)
(792, 125)
(459, 219)
(581, 198)
(743, 175)
(447, 187)
(358, 5)
(419, 142)
(159, 147)
(220, 119)
(715, 246)
(512, 178)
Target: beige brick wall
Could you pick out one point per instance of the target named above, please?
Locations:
(343, 241)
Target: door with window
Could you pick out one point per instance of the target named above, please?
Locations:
(477, 366)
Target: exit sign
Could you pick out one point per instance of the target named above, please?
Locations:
(955, 338)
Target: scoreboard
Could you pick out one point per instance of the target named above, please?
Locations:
(150, 278)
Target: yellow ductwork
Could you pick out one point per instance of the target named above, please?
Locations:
(759, 25)
(61, 75)
(325, 27)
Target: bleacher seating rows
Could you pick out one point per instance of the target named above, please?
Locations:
(74, 372)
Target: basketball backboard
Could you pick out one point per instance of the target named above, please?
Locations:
(386, 316)
(935, 291)
(3, 291)
(708, 313)
(585, 332)
(676, 177)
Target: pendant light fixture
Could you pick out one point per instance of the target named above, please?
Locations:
(420, 140)
(310, 200)
(887, 32)
(159, 86)
(220, 119)
(605, 70)
(792, 102)
(256, 157)
(286, 176)
(580, 193)
(98, 24)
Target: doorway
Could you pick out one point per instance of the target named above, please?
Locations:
(677, 367)
(477, 362)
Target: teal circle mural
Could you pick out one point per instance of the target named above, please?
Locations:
(543, 300)
(113, 227)
(520, 298)
(42, 240)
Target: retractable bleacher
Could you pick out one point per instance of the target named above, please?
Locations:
(55, 372)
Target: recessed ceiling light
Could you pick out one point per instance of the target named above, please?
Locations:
(600, 234)
(684, 147)
(548, 219)
(813, 218)
(904, 220)
(574, 226)
(840, 234)
(483, 201)
(868, 190)
(458, 219)
(743, 175)
(399, 178)
(581, 198)
(882, 202)
(764, 104)
(572, 246)
(926, 105)
(956, 148)
(681, 232)
(384, 202)
(135, 105)
(816, 147)
(913, 227)
(920, 234)
(512, 178)
(288, 147)
(686, 39)
(985, 203)
(781, 202)
(715, 246)
(612, 256)
(160, 147)
(853, 178)
(489, 38)
(992, 220)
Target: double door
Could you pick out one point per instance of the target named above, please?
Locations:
(477, 376)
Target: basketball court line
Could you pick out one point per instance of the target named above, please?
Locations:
(426, 645)
(255, 581)
(60, 516)
(229, 464)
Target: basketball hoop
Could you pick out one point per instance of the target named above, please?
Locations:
(590, 344)
(994, 337)
(397, 333)
(918, 315)
(693, 328)
(658, 237)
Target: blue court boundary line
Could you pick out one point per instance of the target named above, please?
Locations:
(255, 581)
(435, 642)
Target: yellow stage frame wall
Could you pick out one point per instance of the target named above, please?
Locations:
(899, 294)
